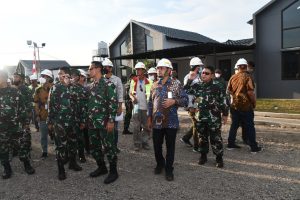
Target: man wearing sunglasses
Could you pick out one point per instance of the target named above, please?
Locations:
(213, 110)
(61, 118)
(102, 106)
(139, 93)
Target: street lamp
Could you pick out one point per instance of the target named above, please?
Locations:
(30, 43)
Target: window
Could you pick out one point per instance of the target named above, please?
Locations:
(291, 65)
(291, 26)
(124, 49)
(149, 43)
(225, 67)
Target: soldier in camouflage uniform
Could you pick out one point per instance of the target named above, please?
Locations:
(79, 99)
(12, 112)
(61, 118)
(22, 141)
(101, 110)
(128, 105)
(213, 108)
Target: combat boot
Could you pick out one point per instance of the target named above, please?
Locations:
(7, 170)
(81, 156)
(73, 164)
(113, 173)
(220, 162)
(101, 170)
(28, 168)
(203, 159)
(61, 170)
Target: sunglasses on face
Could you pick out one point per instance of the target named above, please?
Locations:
(206, 73)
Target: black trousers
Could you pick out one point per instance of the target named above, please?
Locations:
(158, 139)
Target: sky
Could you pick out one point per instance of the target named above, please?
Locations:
(72, 29)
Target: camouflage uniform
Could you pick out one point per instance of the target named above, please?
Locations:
(212, 101)
(128, 105)
(61, 116)
(23, 140)
(12, 108)
(79, 99)
(102, 106)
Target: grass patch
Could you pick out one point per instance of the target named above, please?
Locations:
(278, 105)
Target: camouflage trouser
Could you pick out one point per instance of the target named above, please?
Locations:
(101, 143)
(80, 138)
(16, 142)
(65, 141)
(213, 131)
(128, 114)
(192, 132)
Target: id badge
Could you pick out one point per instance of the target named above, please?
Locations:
(170, 95)
(46, 106)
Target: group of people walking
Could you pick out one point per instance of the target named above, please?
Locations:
(72, 111)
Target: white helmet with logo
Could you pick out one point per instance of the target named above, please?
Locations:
(152, 70)
(196, 62)
(241, 61)
(164, 63)
(140, 65)
(47, 72)
(107, 62)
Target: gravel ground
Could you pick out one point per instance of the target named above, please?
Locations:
(271, 174)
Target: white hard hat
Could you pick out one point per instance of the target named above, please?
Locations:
(241, 61)
(82, 72)
(164, 63)
(47, 72)
(235, 66)
(152, 70)
(140, 65)
(196, 61)
(33, 77)
(107, 62)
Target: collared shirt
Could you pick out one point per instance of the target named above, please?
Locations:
(191, 103)
(166, 117)
(238, 86)
(119, 86)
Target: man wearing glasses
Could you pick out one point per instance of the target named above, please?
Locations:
(61, 118)
(139, 93)
(102, 108)
(213, 109)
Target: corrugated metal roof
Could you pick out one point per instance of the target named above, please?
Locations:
(180, 34)
(246, 42)
(45, 64)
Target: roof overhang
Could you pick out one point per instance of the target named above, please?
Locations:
(192, 50)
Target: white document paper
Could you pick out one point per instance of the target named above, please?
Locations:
(119, 118)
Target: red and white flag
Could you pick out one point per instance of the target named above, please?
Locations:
(34, 72)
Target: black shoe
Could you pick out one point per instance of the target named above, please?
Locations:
(73, 165)
(61, 171)
(187, 142)
(81, 156)
(127, 132)
(44, 155)
(256, 150)
(220, 162)
(7, 170)
(232, 146)
(28, 168)
(169, 176)
(203, 159)
(113, 174)
(101, 170)
(158, 169)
